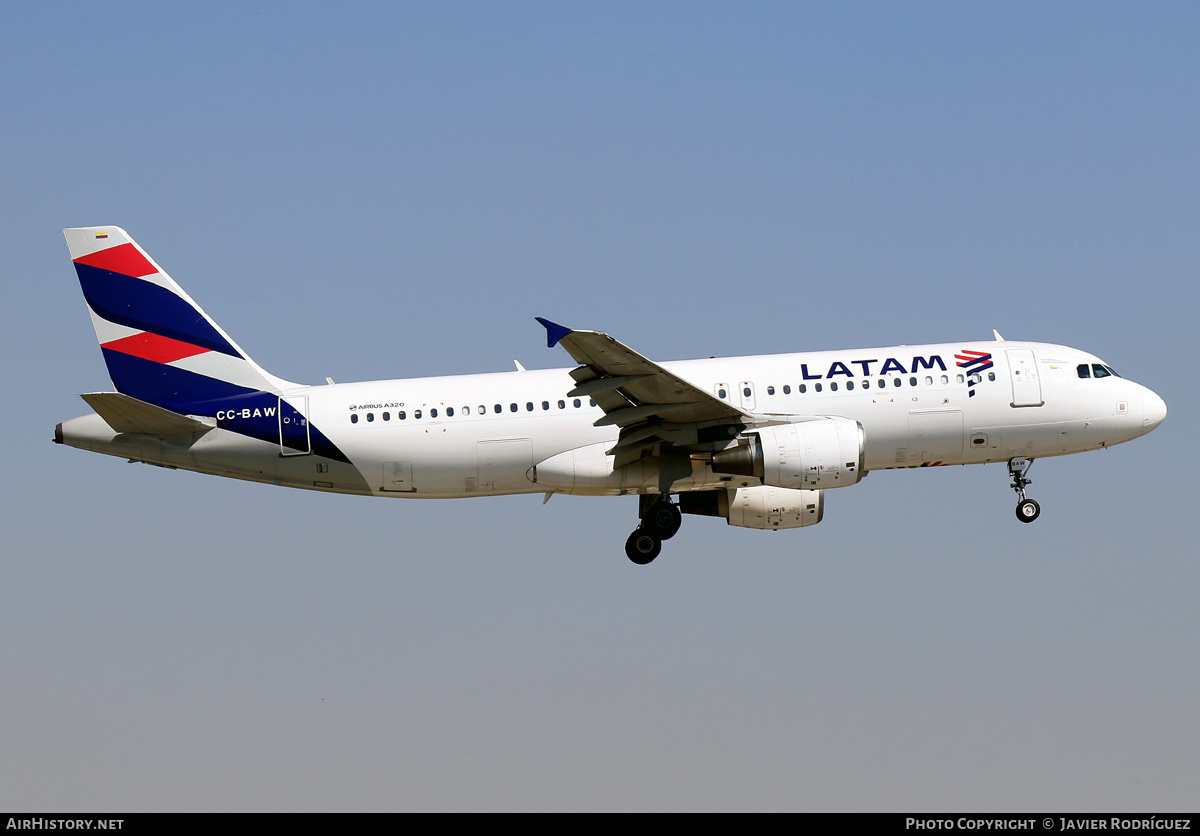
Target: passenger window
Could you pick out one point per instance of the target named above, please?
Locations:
(591, 401)
(832, 386)
(787, 390)
(960, 378)
(497, 409)
(576, 403)
(912, 381)
(928, 380)
(529, 406)
(945, 379)
(816, 387)
(401, 415)
(770, 390)
(991, 375)
(746, 392)
(433, 413)
(482, 409)
(562, 404)
(1083, 371)
(882, 383)
(512, 407)
(387, 416)
(849, 385)
(466, 410)
(449, 412)
(545, 405)
(416, 413)
(803, 388)
(370, 417)
(721, 393)
(353, 417)
(897, 381)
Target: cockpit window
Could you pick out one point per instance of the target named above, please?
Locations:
(1083, 370)
(1099, 371)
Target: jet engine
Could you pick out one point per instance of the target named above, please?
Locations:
(762, 506)
(822, 453)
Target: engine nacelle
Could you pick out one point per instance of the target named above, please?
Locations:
(768, 508)
(763, 507)
(822, 453)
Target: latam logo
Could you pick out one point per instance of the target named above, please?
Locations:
(975, 363)
(891, 364)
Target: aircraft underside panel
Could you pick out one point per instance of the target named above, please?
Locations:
(935, 435)
(503, 464)
(398, 477)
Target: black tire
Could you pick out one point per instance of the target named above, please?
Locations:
(642, 546)
(663, 520)
(1028, 510)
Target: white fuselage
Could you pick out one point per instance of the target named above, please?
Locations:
(509, 433)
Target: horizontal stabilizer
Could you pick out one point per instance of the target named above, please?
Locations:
(129, 415)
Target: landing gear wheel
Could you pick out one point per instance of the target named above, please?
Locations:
(663, 520)
(1018, 469)
(1028, 510)
(642, 546)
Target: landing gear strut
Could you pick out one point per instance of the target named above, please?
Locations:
(660, 521)
(1027, 509)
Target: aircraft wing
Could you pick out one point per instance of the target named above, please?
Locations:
(644, 399)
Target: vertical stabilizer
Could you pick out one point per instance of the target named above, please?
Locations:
(159, 345)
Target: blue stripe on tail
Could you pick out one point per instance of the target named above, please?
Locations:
(148, 307)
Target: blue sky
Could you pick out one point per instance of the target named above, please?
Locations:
(396, 190)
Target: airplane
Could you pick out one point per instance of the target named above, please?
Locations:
(754, 440)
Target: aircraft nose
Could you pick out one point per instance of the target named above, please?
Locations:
(1154, 410)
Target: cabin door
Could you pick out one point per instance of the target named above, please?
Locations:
(1022, 369)
(293, 427)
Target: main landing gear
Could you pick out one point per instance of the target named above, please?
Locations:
(1027, 509)
(660, 521)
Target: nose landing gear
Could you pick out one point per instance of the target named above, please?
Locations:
(1027, 509)
(660, 521)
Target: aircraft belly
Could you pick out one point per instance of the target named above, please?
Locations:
(588, 471)
(935, 436)
(886, 441)
(1032, 440)
(449, 461)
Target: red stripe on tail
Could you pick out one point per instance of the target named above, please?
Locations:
(156, 348)
(124, 259)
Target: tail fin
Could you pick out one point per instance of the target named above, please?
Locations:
(160, 347)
